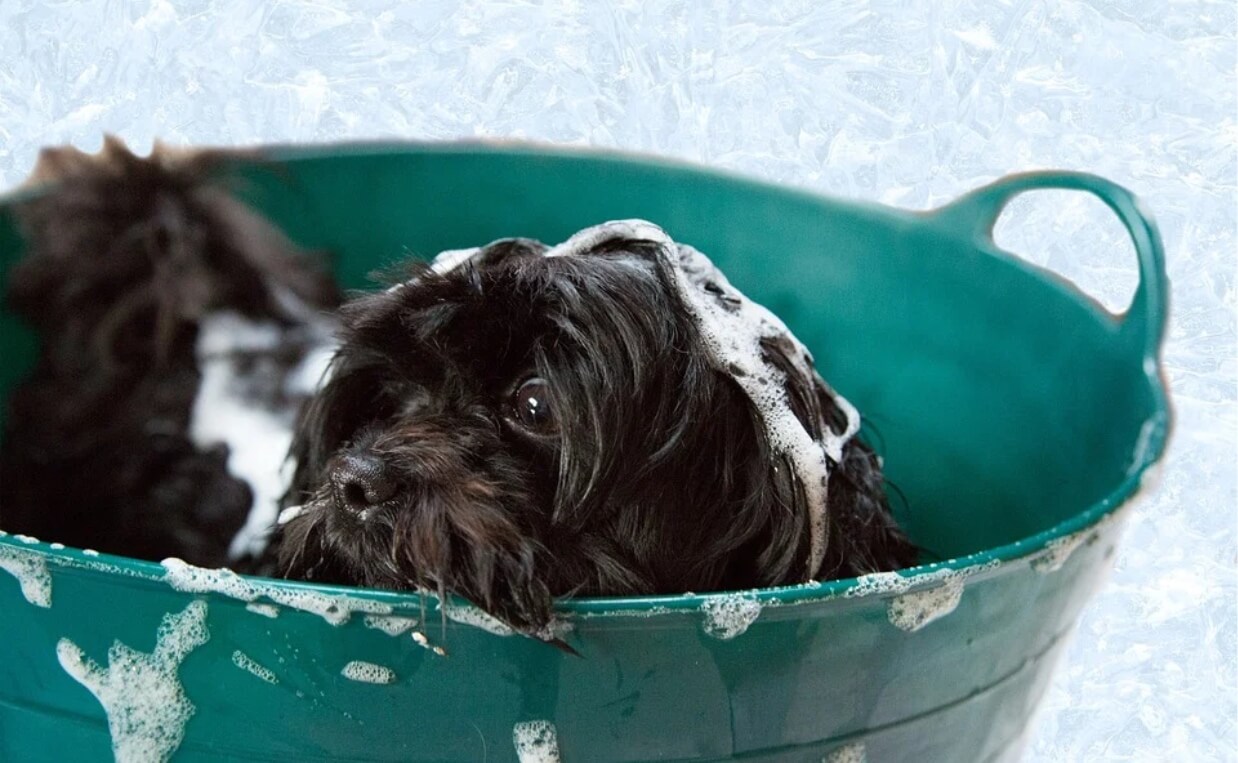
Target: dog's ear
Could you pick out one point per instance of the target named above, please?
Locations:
(862, 536)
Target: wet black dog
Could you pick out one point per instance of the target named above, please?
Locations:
(177, 335)
(510, 424)
(608, 417)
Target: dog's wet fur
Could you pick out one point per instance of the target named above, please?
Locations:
(642, 469)
(518, 429)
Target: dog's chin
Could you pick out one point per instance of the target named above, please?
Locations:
(325, 544)
(423, 542)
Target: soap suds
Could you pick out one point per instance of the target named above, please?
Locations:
(536, 742)
(1059, 550)
(247, 663)
(420, 640)
(289, 514)
(266, 610)
(141, 693)
(451, 259)
(729, 616)
(935, 594)
(28, 540)
(733, 328)
(444, 262)
(334, 609)
(30, 569)
(89, 552)
(643, 613)
(392, 625)
(368, 672)
(851, 753)
(470, 615)
(119, 568)
(912, 611)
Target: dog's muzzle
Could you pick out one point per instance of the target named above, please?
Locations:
(359, 482)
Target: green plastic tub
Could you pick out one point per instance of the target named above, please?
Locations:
(1019, 418)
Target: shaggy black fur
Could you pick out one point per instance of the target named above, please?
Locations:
(628, 465)
(517, 429)
(126, 255)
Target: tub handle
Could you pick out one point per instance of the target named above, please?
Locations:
(1144, 321)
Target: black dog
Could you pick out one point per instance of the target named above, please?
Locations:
(608, 417)
(512, 424)
(178, 334)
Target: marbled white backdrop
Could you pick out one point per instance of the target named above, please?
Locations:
(906, 103)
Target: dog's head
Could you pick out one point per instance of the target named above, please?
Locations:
(514, 424)
(129, 254)
(134, 270)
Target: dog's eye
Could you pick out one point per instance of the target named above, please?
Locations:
(533, 406)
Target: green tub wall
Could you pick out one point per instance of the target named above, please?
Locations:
(1011, 412)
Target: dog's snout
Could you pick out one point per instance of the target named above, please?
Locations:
(361, 482)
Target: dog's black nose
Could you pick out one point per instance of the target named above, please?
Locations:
(361, 482)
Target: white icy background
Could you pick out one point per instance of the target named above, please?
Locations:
(904, 103)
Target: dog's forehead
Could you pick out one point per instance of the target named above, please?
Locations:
(591, 239)
(584, 243)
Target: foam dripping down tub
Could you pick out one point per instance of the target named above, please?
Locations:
(1019, 418)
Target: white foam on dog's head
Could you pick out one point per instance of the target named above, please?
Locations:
(733, 328)
(141, 693)
(451, 259)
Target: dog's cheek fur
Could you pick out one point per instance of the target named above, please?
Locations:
(466, 520)
(862, 536)
(668, 463)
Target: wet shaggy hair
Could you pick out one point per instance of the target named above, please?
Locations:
(648, 471)
(125, 256)
(512, 430)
